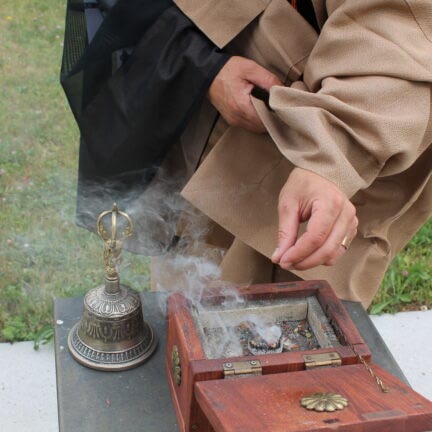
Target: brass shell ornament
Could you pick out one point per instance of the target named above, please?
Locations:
(324, 402)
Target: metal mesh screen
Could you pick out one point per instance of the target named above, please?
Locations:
(75, 38)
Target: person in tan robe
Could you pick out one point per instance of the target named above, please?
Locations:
(346, 158)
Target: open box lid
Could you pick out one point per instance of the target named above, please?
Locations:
(271, 403)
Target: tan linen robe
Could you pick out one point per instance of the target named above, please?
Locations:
(355, 108)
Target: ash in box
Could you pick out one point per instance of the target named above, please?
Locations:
(264, 327)
(275, 338)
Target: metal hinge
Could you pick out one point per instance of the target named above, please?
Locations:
(236, 369)
(322, 360)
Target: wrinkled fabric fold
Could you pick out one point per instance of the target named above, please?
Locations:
(352, 122)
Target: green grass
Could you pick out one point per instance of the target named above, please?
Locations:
(407, 284)
(42, 253)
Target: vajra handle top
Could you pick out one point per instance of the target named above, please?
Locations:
(112, 238)
(115, 212)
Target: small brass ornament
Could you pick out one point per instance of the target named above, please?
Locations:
(324, 402)
(176, 365)
(112, 334)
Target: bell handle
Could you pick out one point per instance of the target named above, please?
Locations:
(114, 212)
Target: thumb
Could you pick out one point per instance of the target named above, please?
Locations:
(288, 229)
(261, 77)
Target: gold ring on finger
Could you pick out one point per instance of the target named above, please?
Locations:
(346, 242)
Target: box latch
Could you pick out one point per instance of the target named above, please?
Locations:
(331, 359)
(243, 368)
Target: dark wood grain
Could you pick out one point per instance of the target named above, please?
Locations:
(271, 403)
(181, 332)
(196, 367)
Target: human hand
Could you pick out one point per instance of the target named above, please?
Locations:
(331, 217)
(231, 89)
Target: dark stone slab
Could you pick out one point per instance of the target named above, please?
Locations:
(381, 355)
(139, 399)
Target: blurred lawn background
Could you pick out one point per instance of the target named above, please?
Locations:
(42, 253)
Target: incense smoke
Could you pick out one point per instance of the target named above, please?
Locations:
(187, 263)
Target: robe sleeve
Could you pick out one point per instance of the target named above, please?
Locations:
(363, 109)
(221, 20)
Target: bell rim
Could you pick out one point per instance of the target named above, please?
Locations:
(112, 366)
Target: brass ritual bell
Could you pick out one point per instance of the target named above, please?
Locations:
(112, 334)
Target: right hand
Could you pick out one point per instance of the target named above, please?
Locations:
(230, 92)
(330, 216)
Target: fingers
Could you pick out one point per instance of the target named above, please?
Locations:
(340, 250)
(230, 92)
(320, 225)
(288, 229)
(247, 115)
(261, 77)
(331, 217)
(329, 252)
(241, 112)
(246, 118)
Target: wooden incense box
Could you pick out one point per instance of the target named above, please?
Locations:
(245, 361)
